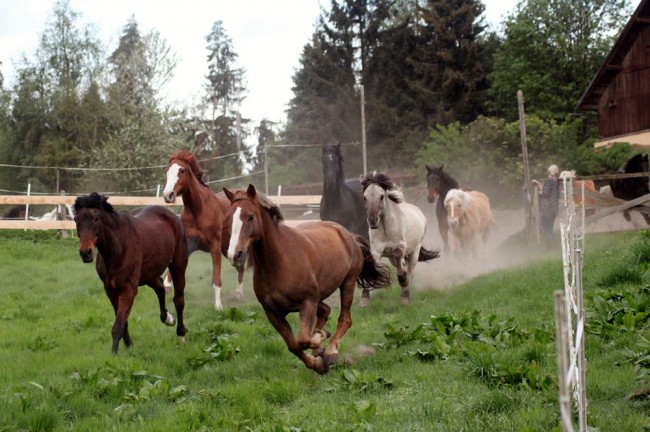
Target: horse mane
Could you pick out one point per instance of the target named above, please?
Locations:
(15, 212)
(189, 158)
(461, 195)
(94, 200)
(394, 193)
(263, 201)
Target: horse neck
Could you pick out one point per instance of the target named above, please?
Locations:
(196, 195)
(108, 241)
(337, 184)
(448, 183)
(268, 246)
(391, 215)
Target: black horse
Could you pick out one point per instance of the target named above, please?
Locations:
(439, 182)
(634, 187)
(342, 201)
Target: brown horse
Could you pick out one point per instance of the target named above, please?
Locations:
(203, 215)
(296, 269)
(133, 249)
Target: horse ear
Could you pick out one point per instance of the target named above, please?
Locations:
(428, 168)
(251, 192)
(441, 167)
(229, 194)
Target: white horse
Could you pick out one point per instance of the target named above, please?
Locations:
(469, 216)
(397, 230)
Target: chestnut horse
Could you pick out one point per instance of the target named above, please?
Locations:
(203, 215)
(397, 230)
(469, 216)
(439, 182)
(133, 249)
(296, 269)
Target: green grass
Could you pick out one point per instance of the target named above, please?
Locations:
(480, 356)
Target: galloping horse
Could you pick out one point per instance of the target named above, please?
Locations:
(397, 230)
(203, 215)
(134, 249)
(341, 201)
(635, 187)
(469, 216)
(439, 182)
(296, 269)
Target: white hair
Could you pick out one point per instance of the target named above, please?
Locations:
(553, 170)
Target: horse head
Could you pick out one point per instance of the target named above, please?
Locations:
(332, 165)
(181, 168)
(87, 217)
(377, 189)
(248, 208)
(435, 180)
(456, 202)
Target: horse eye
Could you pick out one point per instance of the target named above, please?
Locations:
(181, 170)
(250, 218)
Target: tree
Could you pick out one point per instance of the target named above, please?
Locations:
(551, 50)
(140, 128)
(47, 109)
(225, 88)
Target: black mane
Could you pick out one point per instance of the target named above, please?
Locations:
(94, 200)
(384, 182)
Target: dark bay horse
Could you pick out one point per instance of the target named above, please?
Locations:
(342, 201)
(439, 182)
(203, 215)
(296, 269)
(134, 249)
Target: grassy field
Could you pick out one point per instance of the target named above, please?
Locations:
(478, 357)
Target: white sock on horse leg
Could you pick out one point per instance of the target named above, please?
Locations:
(217, 297)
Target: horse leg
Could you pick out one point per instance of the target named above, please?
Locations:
(399, 256)
(178, 276)
(120, 326)
(159, 288)
(307, 312)
(412, 260)
(320, 334)
(216, 277)
(345, 320)
(280, 323)
(239, 290)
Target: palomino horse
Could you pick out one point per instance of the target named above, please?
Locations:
(469, 216)
(203, 215)
(341, 201)
(134, 249)
(296, 269)
(397, 230)
(439, 182)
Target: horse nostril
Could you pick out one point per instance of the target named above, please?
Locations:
(170, 197)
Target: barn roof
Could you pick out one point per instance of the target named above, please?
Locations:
(613, 64)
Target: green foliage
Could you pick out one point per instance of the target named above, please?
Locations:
(551, 52)
(59, 374)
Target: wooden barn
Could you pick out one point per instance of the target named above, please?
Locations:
(620, 91)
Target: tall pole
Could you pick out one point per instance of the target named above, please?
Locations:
(524, 154)
(266, 167)
(363, 131)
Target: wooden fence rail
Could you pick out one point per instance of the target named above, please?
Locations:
(294, 200)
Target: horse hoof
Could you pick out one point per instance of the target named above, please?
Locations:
(317, 352)
(331, 359)
(320, 366)
(170, 321)
(405, 301)
(364, 302)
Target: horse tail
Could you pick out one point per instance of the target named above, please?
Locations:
(428, 254)
(373, 274)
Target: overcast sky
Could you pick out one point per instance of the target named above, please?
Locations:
(268, 36)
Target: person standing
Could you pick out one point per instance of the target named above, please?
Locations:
(549, 193)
